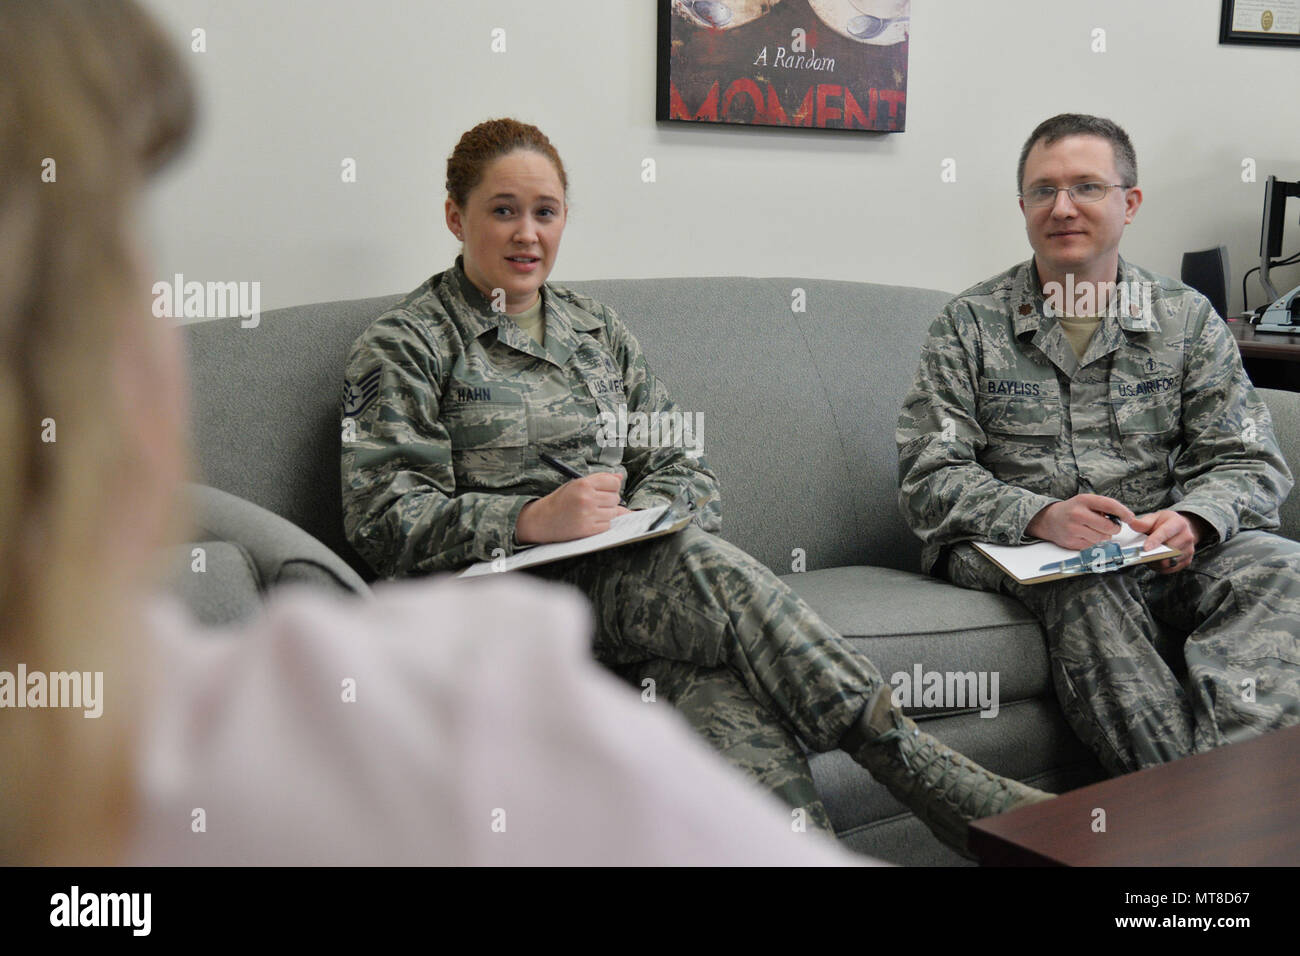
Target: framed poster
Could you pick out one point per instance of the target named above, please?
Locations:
(819, 64)
(1260, 21)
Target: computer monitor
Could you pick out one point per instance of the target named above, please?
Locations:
(1276, 192)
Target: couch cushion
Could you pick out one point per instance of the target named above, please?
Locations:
(899, 619)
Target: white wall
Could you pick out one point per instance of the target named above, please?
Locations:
(290, 88)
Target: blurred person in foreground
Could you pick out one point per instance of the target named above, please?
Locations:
(492, 739)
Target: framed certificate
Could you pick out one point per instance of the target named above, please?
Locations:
(1260, 21)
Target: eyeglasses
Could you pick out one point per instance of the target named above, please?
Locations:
(1079, 192)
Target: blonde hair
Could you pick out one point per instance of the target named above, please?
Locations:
(92, 100)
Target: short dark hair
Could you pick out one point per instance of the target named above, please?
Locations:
(1081, 124)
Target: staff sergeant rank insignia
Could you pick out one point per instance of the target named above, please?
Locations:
(357, 398)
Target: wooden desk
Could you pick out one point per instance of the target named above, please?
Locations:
(1264, 344)
(1233, 806)
(1272, 360)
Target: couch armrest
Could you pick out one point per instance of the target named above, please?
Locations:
(1285, 409)
(248, 551)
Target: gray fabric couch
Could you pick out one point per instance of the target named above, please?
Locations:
(800, 409)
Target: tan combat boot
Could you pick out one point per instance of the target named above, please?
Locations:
(944, 789)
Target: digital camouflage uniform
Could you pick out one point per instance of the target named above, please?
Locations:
(1003, 420)
(446, 407)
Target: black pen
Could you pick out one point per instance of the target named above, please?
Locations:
(1086, 486)
(568, 472)
(559, 466)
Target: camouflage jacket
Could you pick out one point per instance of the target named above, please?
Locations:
(447, 404)
(1003, 420)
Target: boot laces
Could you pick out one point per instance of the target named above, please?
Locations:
(918, 756)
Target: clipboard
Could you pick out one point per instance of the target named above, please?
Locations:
(625, 529)
(1032, 563)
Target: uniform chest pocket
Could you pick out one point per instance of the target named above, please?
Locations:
(1145, 397)
(1152, 415)
(488, 441)
(1014, 407)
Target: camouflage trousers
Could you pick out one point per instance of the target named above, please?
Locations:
(1238, 605)
(746, 661)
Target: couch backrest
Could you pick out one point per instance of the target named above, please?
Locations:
(799, 406)
(1285, 409)
(265, 406)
